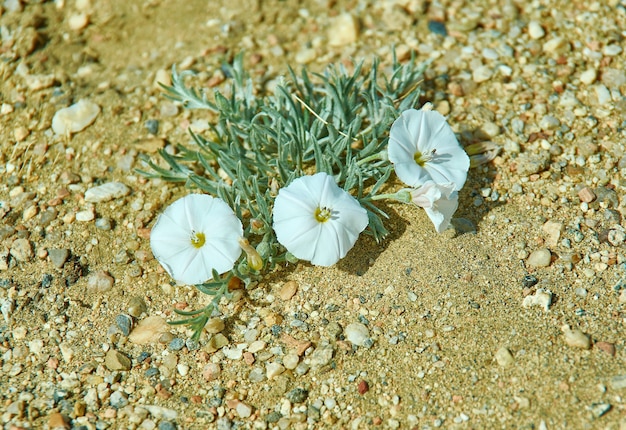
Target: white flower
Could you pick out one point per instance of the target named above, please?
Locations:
(316, 220)
(438, 200)
(423, 147)
(194, 235)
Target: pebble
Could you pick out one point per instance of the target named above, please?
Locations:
(553, 230)
(67, 352)
(618, 382)
(321, 356)
(576, 338)
(343, 30)
(535, 30)
(234, 352)
(589, 76)
(539, 258)
(149, 330)
(124, 323)
(607, 347)
(290, 361)
(549, 122)
(211, 372)
(542, 298)
(586, 195)
(273, 369)
(152, 125)
(358, 334)
(527, 164)
(103, 224)
(100, 281)
(243, 410)
(160, 412)
(214, 325)
(165, 425)
(504, 357)
(86, 215)
(118, 400)
(22, 250)
(137, 306)
(616, 237)
(58, 256)
(75, 118)
(106, 192)
(297, 395)
(482, 74)
(599, 409)
(529, 281)
(288, 290)
(77, 21)
(115, 360)
(612, 50)
(177, 344)
(57, 421)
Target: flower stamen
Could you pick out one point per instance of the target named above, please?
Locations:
(197, 239)
(422, 159)
(322, 214)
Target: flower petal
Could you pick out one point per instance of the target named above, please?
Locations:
(426, 132)
(440, 201)
(171, 236)
(297, 229)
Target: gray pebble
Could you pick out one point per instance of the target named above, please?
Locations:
(321, 356)
(58, 256)
(124, 323)
(192, 345)
(527, 164)
(176, 344)
(167, 425)
(297, 395)
(103, 224)
(618, 382)
(47, 217)
(152, 125)
(106, 192)
(118, 400)
(463, 225)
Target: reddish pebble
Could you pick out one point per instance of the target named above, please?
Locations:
(363, 387)
(57, 421)
(377, 421)
(607, 347)
(586, 195)
(53, 363)
(196, 399)
(248, 357)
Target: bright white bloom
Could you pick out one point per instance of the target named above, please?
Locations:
(423, 147)
(194, 235)
(438, 200)
(316, 220)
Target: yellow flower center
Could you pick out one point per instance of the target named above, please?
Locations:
(322, 214)
(422, 159)
(197, 239)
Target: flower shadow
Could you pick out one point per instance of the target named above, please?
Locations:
(473, 204)
(366, 250)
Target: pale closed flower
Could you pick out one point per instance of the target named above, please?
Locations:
(440, 201)
(194, 236)
(423, 147)
(316, 220)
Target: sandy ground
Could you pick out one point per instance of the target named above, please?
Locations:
(453, 345)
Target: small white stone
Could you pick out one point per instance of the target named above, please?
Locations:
(290, 361)
(85, 216)
(78, 21)
(243, 410)
(555, 45)
(535, 30)
(343, 30)
(358, 334)
(612, 50)
(542, 298)
(482, 74)
(233, 352)
(75, 118)
(106, 192)
(273, 369)
(539, 258)
(256, 346)
(589, 76)
(576, 338)
(305, 55)
(183, 369)
(66, 351)
(603, 95)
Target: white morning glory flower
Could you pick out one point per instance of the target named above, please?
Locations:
(440, 201)
(194, 235)
(316, 220)
(423, 147)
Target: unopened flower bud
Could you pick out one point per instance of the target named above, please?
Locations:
(255, 262)
(257, 226)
